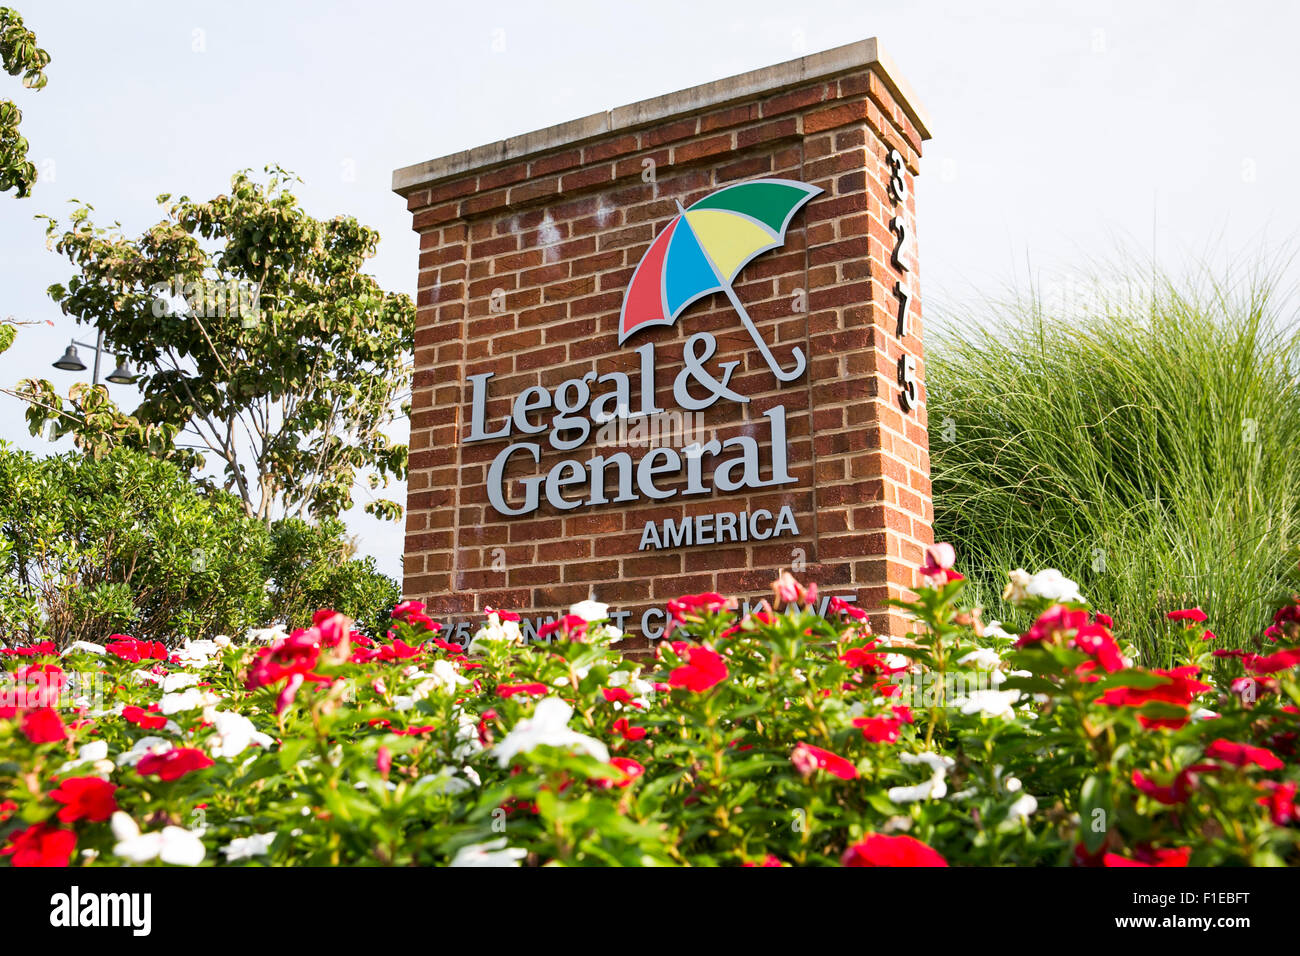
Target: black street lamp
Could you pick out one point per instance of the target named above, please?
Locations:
(71, 362)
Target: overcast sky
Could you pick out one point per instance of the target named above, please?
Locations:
(1060, 129)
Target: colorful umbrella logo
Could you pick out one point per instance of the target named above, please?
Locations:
(703, 249)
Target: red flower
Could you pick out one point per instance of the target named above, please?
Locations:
(407, 607)
(571, 627)
(937, 569)
(1146, 856)
(1179, 688)
(627, 731)
(704, 668)
(509, 690)
(41, 649)
(145, 720)
(789, 591)
(1280, 800)
(412, 612)
(629, 770)
(1271, 663)
(878, 849)
(502, 616)
(41, 845)
(866, 658)
(1243, 755)
(840, 606)
(44, 726)
(399, 650)
(334, 628)
(85, 798)
(696, 605)
(384, 761)
(7, 809)
(173, 764)
(129, 649)
(807, 758)
(284, 699)
(618, 695)
(768, 860)
(1096, 641)
(1057, 621)
(1190, 616)
(884, 730)
(295, 654)
(37, 685)
(1176, 791)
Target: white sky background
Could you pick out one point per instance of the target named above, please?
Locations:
(1060, 129)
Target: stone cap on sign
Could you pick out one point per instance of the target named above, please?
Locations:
(770, 79)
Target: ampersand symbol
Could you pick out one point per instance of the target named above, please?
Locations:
(699, 349)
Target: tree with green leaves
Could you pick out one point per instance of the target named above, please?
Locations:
(259, 342)
(19, 55)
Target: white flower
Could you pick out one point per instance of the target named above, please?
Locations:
(179, 681)
(995, 630)
(982, 659)
(1017, 588)
(235, 733)
(222, 641)
(989, 703)
(937, 763)
(492, 853)
(265, 635)
(245, 848)
(198, 653)
(143, 746)
(144, 677)
(590, 611)
(173, 845)
(581, 672)
(190, 699)
(933, 789)
(86, 646)
(95, 753)
(1020, 811)
(95, 750)
(495, 630)
(446, 677)
(445, 781)
(548, 726)
(468, 743)
(1054, 586)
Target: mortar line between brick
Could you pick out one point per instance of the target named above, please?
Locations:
(460, 409)
(807, 341)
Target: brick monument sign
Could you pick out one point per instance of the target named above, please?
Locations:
(673, 348)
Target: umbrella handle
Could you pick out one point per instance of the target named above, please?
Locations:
(800, 361)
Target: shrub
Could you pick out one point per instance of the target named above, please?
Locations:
(777, 738)
(124, 543)
(1145, 449)
(311, 566)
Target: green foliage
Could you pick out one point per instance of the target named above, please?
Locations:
(776, 738)
(259, 343)
(313, 566)
(19, 55)
(1144, 449)
(127, 544)
(124, 543)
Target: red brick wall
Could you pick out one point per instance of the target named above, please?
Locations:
(560, 233)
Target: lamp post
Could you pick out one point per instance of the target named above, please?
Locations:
(70, 361)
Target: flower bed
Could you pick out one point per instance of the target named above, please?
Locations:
(780, 738)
